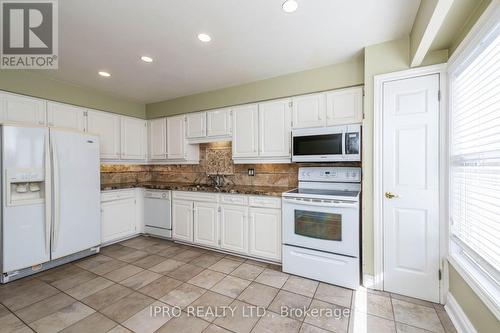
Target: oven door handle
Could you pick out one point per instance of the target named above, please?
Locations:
(322, 204)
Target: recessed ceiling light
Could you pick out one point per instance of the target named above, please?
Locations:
(146, 59)
(204, 38)
(105, 74)
(289, 6)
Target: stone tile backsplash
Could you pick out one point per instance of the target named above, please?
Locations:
(215, 158)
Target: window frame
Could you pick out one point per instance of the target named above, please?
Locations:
(477, 274)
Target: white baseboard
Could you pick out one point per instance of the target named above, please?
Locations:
(368, 281)
(458, 316)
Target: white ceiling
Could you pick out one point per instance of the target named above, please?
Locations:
(251, 40)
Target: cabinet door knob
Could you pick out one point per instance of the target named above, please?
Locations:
(390, 195)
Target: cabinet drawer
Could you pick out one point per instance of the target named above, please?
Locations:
(262, 201)
(195, 196)
(234, 199)
(116, 195)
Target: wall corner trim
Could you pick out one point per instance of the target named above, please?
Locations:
(458, 316)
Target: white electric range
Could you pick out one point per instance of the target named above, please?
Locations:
(321, 226)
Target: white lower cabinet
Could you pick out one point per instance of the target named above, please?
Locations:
(118, 215)
(265, 232)
(234, 228)
(206, 224)
(243, 224)
(182, 220)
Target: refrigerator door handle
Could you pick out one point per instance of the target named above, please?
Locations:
(55, 182)
(48, 193)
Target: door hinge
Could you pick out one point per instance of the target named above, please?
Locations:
(290, 104)
(439, 95)
(218, 209)
(440, 275)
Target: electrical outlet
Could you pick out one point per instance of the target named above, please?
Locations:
(251, 172)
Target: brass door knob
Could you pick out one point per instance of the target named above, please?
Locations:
(390, 195)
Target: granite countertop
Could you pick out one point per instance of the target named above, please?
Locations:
(234, 189)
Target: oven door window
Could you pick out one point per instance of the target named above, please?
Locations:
(327, 144)
(319, 225)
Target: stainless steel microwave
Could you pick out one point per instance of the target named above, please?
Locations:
(327, 144)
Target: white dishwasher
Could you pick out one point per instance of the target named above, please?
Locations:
(157, 213)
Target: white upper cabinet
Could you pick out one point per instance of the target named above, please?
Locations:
(133, 138)
(219, 123)
(344, 106)
(208, 126)
(175, 137)
(66, 116)
(196, 125)
(107, 127)
(21, 109)
(309, 110)
(178, 149)
(158, 139)
(246, 131)
(274, 128)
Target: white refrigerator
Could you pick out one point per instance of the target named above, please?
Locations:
(50, 198)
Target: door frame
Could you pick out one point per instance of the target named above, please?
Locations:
(378, 228)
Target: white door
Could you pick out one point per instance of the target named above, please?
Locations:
(234, 228)
(182, 220)
(22, 109)
(196, 125)
(344, 106)
(219, 122)
(66, 116)
(158, 139)
(76, 192)
(246, 131)
(133, 138)
(107, 127)
(117, 219)
(274, 128)
(265, 233)
(26, 220)
(410, 187)
(309, 110)
(175, 138)
(206, 223)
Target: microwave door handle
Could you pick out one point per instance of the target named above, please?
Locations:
(322, 204)
(344, 144)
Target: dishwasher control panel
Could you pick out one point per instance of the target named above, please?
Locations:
(157, 194)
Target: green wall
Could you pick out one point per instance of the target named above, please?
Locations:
(41, 86)
(469, 23)
(324, 78)
(481, 317)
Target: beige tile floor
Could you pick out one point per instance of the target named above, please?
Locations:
(117, 290)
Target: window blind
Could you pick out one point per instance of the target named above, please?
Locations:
(475, 155)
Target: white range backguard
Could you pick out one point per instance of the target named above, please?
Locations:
(25, 233)
(76, 192)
